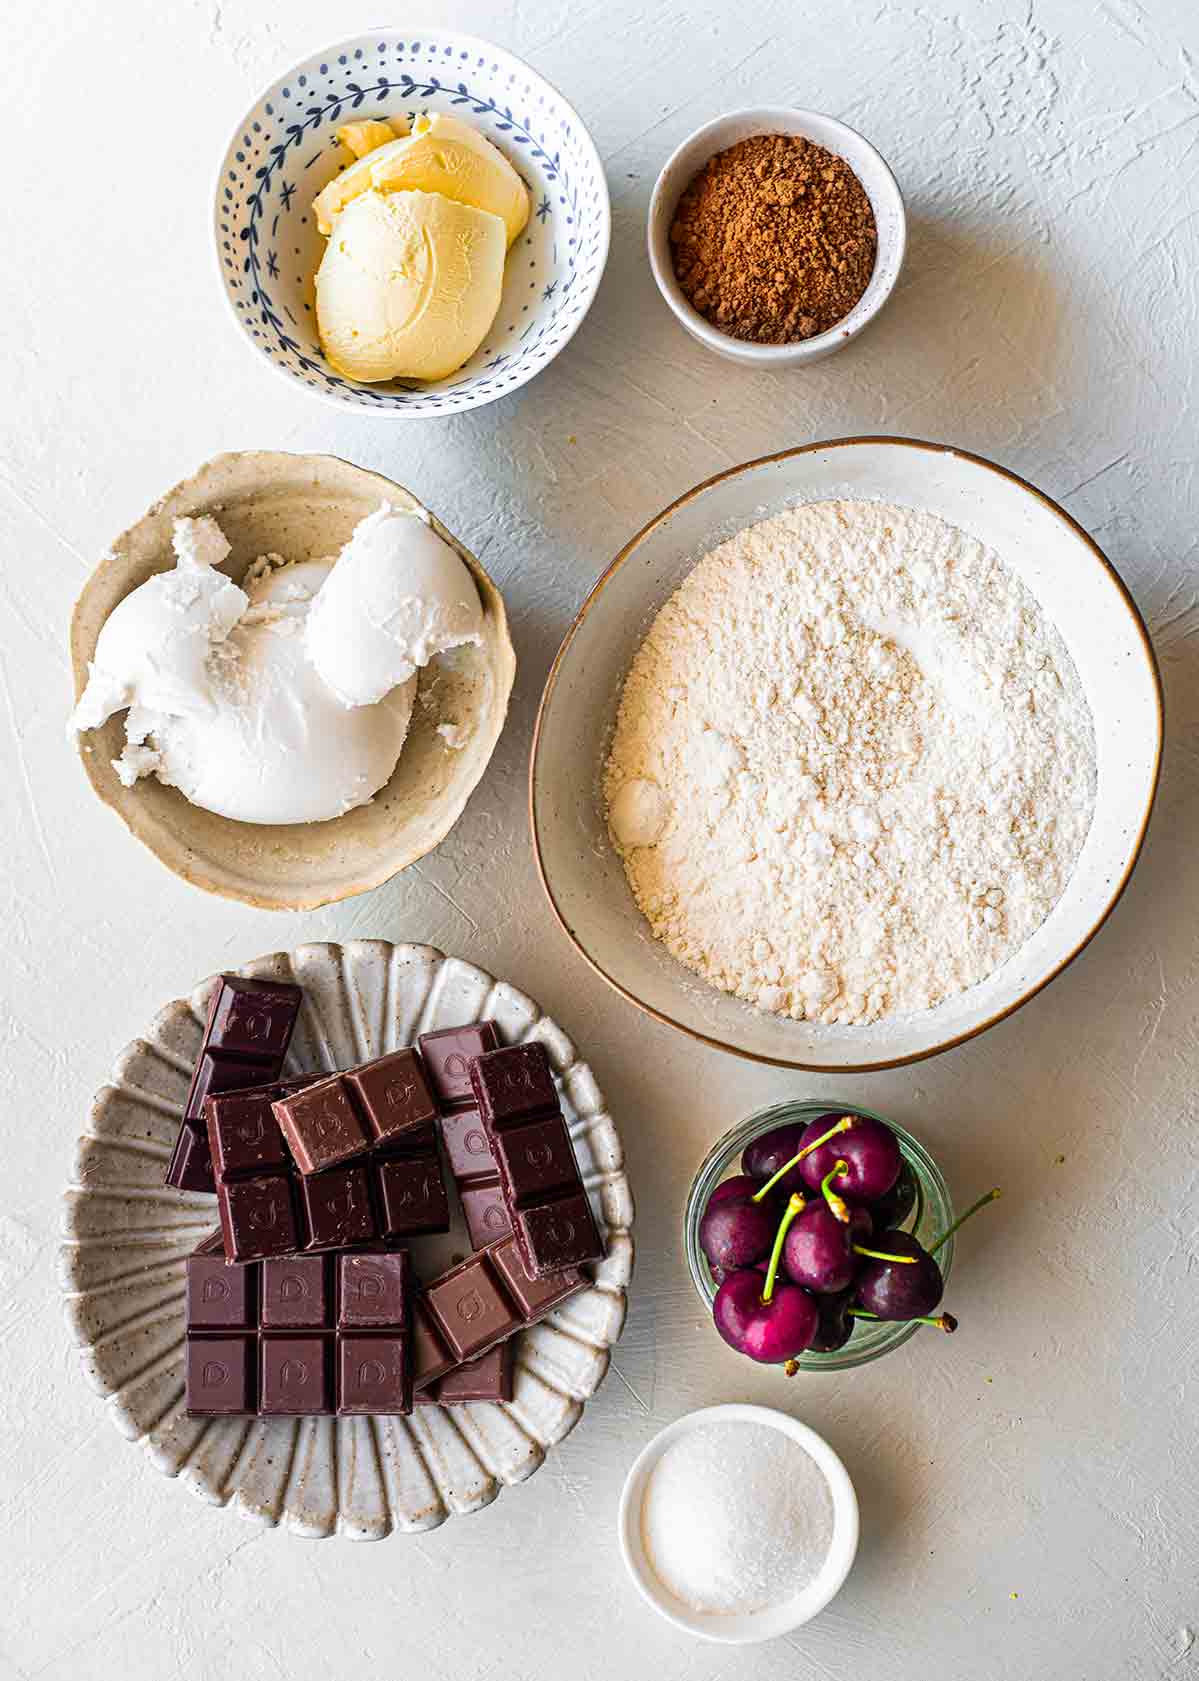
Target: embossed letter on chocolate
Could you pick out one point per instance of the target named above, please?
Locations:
(539, 1177)
(246, 1037)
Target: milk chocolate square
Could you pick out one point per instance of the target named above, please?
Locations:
(321, 1126)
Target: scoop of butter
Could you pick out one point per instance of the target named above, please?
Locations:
(440, 155)
(409, 285)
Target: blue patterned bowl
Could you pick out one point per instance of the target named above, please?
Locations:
(285, 151)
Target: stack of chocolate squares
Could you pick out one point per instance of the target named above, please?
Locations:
(305, 1301)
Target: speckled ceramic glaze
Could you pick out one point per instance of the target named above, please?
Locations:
(285, 151)
(128, 1236)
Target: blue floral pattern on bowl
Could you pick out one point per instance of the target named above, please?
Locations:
(286, 150)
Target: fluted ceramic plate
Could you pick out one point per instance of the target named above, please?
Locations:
(128, 1237)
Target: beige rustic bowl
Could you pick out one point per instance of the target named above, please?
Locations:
(1063, 568)
(302, 506)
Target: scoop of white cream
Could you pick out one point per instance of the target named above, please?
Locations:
(277, 746)
(397, 596)
(288, 700)
(153, 648)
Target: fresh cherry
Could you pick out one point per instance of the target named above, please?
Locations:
(868, 1149)
(736, 1232)
(906, 1289)
(818, 1251)
(740, 1185)
(835, 1322)
(773, 1331)
(770, 1321)
(763, 1158)
(891, 1210)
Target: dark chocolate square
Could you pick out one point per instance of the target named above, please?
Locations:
(296, 1293)
(219, 1375)
(534, 1296)
(337, 1208)
(321, 1126)
(392, 1094)
(257, 1217)
(466, 1144)
(214, 1075)
(513, 1083)
(219, 1297)
(485, 1212)
(558, 1234)
(489, 1378)
(244, 1135)
(536, 1160)
(373, 1290)
(431, 1357)
(413, 1198)
(447, 1055)
(254, 1019)
(191, 1161)
(294, 1377)
(470, 1311)
(373, 1374)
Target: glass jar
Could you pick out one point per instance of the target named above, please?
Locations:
(932, 1215)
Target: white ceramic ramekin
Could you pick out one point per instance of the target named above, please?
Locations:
(869, 167)
(733, 1629)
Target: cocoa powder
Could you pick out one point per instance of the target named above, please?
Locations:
(774, 240)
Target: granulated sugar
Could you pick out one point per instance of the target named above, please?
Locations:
(736, 1517)
(853, 766)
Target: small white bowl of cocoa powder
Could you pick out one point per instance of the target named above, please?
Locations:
(776, 235)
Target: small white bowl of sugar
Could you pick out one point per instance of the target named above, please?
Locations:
(738, 1523)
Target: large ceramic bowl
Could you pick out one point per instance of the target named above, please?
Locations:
(128, 1237)
(1056, 560)
(304, 507)
(285, 150)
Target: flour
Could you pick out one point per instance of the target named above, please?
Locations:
(853, 765)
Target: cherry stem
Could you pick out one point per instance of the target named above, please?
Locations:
(988, 1196)
(843, 1125)
(877, 1255)
(795, 1206)
(838, 1207)
(943, 1322)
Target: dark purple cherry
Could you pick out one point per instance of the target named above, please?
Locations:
(869, 1150)
(737, 1232)
(818, 1251)
(740, 1185)
(773, 1331)
(762, 1159)
(835, 1322)
(905, 1289)
(891, 1210)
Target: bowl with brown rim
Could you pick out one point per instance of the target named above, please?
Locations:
(1079, 590)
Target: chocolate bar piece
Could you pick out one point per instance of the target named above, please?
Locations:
(246, 1037)
(489, 1378)
(479, 1304)
(447, 1056)
(539, 1177)
(268, 1208)
(329, 1334)
(381, 1103)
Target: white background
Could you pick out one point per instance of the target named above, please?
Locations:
(1028, 1488)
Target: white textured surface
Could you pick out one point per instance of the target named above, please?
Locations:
(1048, 152)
